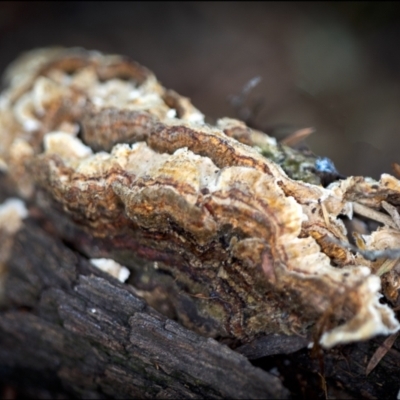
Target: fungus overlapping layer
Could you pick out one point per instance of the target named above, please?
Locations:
(133, 164)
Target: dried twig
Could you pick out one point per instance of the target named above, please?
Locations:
(392, 211)
(381, 352)
(370, 213)
(371, 255)
(297, 136)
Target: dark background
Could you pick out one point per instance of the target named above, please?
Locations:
(334, 66)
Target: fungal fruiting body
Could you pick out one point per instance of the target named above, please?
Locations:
(130, 167)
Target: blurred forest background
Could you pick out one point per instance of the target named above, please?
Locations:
(334, 66)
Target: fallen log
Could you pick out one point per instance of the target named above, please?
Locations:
(148, 240)
(66, 321)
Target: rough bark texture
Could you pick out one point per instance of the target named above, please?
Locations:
(85, 334)
(67, 330)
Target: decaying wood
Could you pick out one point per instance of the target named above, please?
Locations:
(222, 229)
(66, 318)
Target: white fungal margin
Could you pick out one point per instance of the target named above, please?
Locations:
(111, 267)
(373, 319)
(12, 212)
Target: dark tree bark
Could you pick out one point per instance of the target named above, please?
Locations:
(67, 329)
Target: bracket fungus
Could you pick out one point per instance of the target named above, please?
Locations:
(244, 245)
